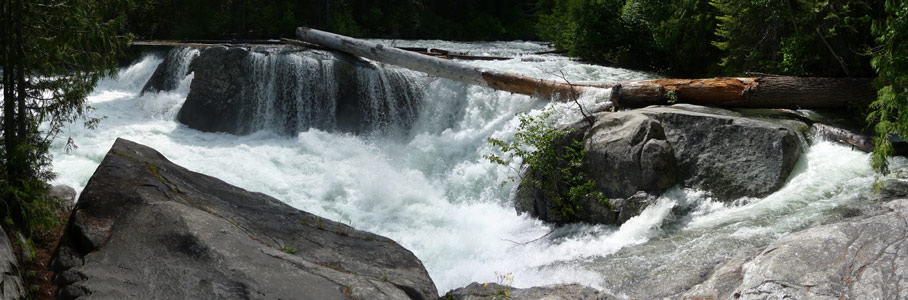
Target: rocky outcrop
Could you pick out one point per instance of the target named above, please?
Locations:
(11, 284)
(628, 152)
(216, 95)
(492, 291)
(862, 258)
(65, 193)
(651, 149)
(240, 90)
(728, 154)
(146, 228)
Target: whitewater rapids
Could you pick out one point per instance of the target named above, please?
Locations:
(434, 193)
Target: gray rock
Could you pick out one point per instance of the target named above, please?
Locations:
(11, 285)
(628, 152)
(171, 71)
(862, 258)
(729, 156)
(652, 149)
(491, 291)
(145, 228)
(241, 90)
(215, 95)
(65, 193)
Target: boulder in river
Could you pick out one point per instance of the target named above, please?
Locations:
(652, 149)
(146, 228)
(287, 90)
(168, 75)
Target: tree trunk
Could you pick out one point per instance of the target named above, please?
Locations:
(761, 92)
(439, 67)
(856, 140)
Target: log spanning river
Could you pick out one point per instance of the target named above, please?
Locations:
(427, 186)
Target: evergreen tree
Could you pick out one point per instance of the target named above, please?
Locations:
(52, 53)
(890, 110)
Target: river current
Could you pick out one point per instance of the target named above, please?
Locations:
(431, 190)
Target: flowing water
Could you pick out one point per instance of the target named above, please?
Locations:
(432, 191)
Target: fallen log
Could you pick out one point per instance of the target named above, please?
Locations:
(439, 67)
(760, 92)
(857, 140)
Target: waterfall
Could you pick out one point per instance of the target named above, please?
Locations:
(288, 91)
(170, 73)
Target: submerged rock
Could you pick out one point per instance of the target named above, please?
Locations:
(492, 291)
(147, 228)
(652, 149)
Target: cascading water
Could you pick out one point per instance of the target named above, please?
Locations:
(288, 91)
(434, 193)
(168, 75)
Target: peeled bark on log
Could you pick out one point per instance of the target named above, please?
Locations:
(761, 92)
(439, 67)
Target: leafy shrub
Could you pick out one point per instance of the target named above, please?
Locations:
(554, 162)
(890, 110)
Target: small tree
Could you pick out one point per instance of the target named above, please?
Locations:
(554, 161)
(890, 110)
(52, 53)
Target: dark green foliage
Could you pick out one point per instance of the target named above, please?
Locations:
(52, 55)
(795, 37)
(667, 36)
(890, 110)
(437, 19)
(555, 163)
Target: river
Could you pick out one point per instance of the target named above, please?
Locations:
(429, 188)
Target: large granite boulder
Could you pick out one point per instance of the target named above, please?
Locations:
(862, 258)
(636, 155)
(728, 154)
(216, 96)
(240, 90)
(628, 152)
(145, 228)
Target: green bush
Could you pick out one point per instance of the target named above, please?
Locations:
(555, 163)
(890, 110)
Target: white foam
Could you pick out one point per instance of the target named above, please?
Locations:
(433, 192)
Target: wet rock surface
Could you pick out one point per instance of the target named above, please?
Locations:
(146, 228)
(652, 149)
(11, 284)
(240, 90)
(491, 291)
(855, 259)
